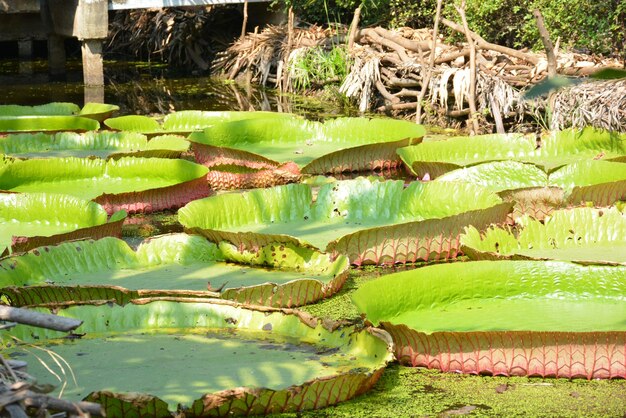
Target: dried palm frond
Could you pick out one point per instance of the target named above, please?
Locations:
(599, 103)
(264, 55)
(492, 90)
(361, 80)
(175, 35)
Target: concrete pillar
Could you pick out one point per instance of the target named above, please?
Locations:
(56, 55)
(25, 49)
(93, 68)
(94, 94)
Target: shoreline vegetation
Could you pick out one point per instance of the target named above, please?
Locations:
(424, 74)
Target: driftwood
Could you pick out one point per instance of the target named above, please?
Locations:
(28, 317)
(414, 73)
(18, 390)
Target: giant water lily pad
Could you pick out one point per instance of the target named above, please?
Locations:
(438, 157)
(9, 124)
(28, 220)
(48, 109)
(546, 318)
(536, 193)
(205, 359)
(97, 111)
(132, 184)
(370, 221)
(334, 146)
(92, 144)
(581, 234)
(186, 121)
(280, 275)
(557, 148)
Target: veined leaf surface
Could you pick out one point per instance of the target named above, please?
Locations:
(288, 214)
(557, 148)
(581, 234)
(97, 144)
(133, 184)
(334, 146)
(48, 109)
(32, 216)
(280, 275)
(211, 358)
(9, 124)
(545, 318)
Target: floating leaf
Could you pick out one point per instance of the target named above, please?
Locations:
(206, 359)
(342, 209)
(543, 318)
(279, 275)
(557, 149)
(97, 144)
(28, 220)
(132, 184)
(335, 146)
(499, 175)
(439, 157)
(98, 111)
(48, 109)
(46, 124)
(582, 234)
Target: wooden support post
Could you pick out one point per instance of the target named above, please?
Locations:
(56, 55)
(244, 24)
(25, 49)
(93, 68)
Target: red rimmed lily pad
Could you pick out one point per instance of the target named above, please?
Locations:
(370, 221)
(535, 318)
(102, 144)
(334, 146)
(279, 275)
(131, 184)
(206, 359)
(29, 220)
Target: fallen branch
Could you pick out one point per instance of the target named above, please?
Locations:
(28, 317)
(547, 43)
(429, 70)
(472, 86)
(481, 43)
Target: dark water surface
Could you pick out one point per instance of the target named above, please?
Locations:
(147, 88)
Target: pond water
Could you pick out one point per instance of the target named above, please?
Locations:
(145, 88)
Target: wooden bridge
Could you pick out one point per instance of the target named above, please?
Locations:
(87, 20)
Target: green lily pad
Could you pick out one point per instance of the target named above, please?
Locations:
(370, 221)
(601, 182)
(439, 157)
(499, 175)
(10, 124)
(204, 359)
(92, 144)
(28, 220)
(48, 109)
(132, 184)
(581, 234)
(334, 146)
(569, 146)
(98, 111)
(558, 148)
(279, 275)
(546, 318)
(184, 122)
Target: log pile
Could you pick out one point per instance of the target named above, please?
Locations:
(389, 69)
(390, 66)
